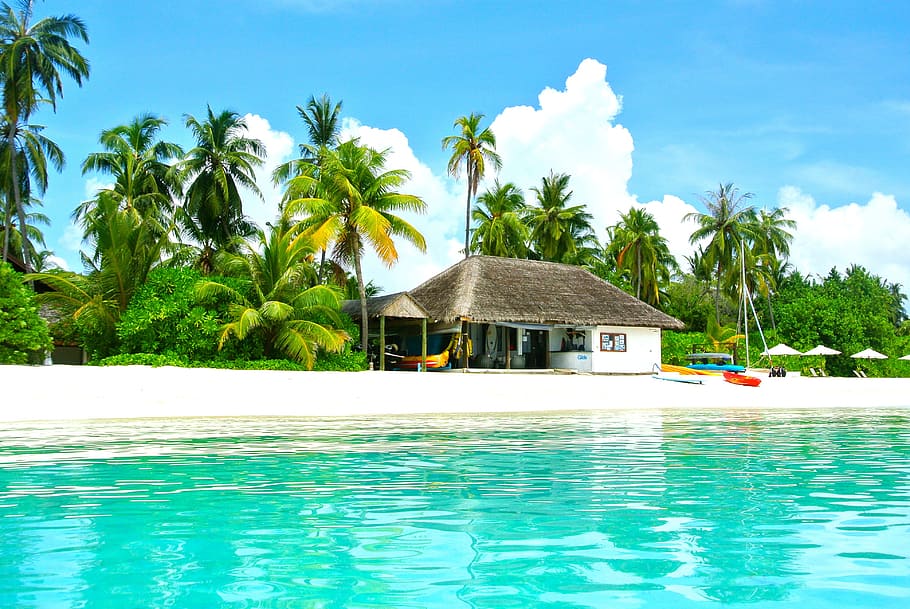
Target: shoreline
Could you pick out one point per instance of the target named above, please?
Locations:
(59, 393)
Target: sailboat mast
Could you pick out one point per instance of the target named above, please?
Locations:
(743, 290)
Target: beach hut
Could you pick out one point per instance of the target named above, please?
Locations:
(399, 307)
(534, 314)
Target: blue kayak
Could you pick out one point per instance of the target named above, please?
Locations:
(718, 367)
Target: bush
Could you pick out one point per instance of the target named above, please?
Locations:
(23, 333)
(164, 317)
(156, 360)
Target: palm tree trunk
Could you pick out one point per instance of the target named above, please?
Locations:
(771, 310)
(638, 264)
(364, 322)
(6, 229)
(467, 214)
(17, 197)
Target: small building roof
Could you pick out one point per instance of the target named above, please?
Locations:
(489, 289)
(399, 304)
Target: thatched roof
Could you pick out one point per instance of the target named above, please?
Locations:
(399, 305)
(490, 289)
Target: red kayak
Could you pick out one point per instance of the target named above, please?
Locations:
(741, 379)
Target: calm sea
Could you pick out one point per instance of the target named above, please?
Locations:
(806, 509)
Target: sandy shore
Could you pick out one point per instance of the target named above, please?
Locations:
(33, 393)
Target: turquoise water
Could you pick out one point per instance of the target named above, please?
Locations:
(585, 510)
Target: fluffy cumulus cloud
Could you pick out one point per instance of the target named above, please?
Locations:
(873, 234)
(572, 131)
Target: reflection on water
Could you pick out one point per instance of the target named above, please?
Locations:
(589, 510)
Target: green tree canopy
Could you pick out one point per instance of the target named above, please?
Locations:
(23, 332)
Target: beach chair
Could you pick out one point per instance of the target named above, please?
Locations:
(813, 372)
(860, 374)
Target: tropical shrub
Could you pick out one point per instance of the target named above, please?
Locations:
(165, 317)
(23, 333)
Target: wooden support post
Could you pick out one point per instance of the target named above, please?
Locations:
(464, 344)
(423, 343)
(382, 342)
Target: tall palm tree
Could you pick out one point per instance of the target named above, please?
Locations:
(771, 247)
(322, 122)
(356, 205)
(642, 251)
(33, 59)
(26, 159)
(558, 230)
(33, 219)
(472, 150)
(281, 304)
(222, 162)
(500, 230)
(728, 223)
(125, 247)
(145, 177)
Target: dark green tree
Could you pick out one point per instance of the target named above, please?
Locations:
(23, 332)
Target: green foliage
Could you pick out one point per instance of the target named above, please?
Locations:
(23, 333)
(346, 361)
(165, 317)
(674, 346)
(848, 313)
(156, 360)
(689, 301)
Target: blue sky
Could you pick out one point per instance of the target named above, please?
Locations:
(805, 104)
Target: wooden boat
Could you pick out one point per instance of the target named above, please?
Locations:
(742, 379)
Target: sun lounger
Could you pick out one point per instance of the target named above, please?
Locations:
(860, 374)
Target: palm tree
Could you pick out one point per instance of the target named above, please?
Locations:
(355, 206)
(35, 237)
(323, 126)
(472, 149)
(321, 118)
(222, 162)
(125, 248)
(771, 247)
(641, 251)
(27, 158)
(32, 57)
(141, 165)
(281, 303)
(500, 230)
(727, 224)
(558, 231)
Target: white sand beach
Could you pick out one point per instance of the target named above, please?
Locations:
(33, 393)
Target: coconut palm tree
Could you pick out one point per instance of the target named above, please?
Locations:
(125, 247)
(771, 247)
(355, 206)
(145, 177)
(222, 162)
(33, 219)
(472, 150)
(500, 230)
(27, 159)
(33, 59)
(321, 118)
(728, 223)
(281, 303)
(642, 252)
(558, 231)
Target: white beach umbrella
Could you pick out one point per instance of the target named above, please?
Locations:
(905, 357)
(781, 349)
(822, 350)
(869, 354)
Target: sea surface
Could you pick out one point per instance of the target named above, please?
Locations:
(804, 509)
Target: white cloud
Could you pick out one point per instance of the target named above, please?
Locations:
(874, 234)
(279, 147)
(572, 132)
